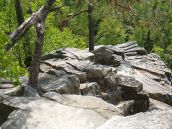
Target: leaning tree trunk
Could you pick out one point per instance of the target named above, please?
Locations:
(91, 25)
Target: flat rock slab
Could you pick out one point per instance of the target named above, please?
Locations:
(150, 63)
(155, 89)
(131, 48)
(157, 105)
(157, 119)
(59, 82)
(56, 111)
(14, 91)
(75, 53)
(128, 84)
(69, 53)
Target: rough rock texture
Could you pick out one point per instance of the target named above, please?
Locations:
(157, 105)
(151, 120)
(129, 84)
(59, 81)
(55, 111)
(91, 89)
(75, 86)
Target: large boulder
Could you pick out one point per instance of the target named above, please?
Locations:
(156, 90)
(55, 111)
(106, 56)
(129, 84)
(149, 70)
(59, 81)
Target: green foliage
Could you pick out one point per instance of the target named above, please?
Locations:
(159, 51)
(9, 66)
(111, 31)
(55, 39)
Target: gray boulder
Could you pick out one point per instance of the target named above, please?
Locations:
(128, 84)
(59, 81)
(156, 119)
(106, 56)
(56, 111)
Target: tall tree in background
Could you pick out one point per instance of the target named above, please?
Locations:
(90, 25)
(19, 12)
(148, 45)
(89, 11)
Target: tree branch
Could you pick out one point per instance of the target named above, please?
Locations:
(32, 20)
(56, 8)
(126, 7)
(65, 22)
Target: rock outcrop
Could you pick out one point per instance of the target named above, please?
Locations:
(111, 87)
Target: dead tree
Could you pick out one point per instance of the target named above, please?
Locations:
(38, 20)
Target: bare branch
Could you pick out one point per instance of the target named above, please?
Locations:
(125, 7)
(56, 8)
(65, 22)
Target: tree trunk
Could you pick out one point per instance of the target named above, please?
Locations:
(40, 28)
(91, 25)
(148, 44)
(35, 65)
(19, 12)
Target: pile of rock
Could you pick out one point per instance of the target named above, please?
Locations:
(110, 88)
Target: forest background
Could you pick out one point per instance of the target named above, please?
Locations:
(149, 22)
